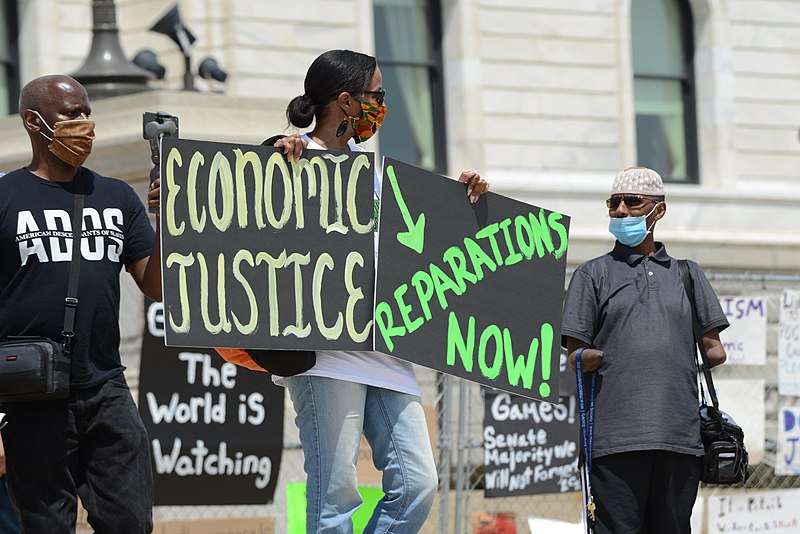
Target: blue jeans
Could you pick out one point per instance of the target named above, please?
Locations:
(92, 445)
(9, 522)
(331, 416)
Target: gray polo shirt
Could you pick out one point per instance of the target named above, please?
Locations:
(634, 308)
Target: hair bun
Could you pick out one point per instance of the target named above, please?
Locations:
(300, 111)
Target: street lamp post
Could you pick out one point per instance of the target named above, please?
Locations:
(106, 71)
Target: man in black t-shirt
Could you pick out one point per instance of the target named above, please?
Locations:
(93, 444)
(628, 316)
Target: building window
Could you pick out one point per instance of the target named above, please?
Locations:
(663, 84)
(408, 48)
(9, 59)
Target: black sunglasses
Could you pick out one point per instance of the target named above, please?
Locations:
(380, 95)
(632, 201)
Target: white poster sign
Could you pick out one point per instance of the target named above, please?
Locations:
(540, 525)
(743, 400)
(745, 340)
(787, 455)
(789, 344)
(776, 512)
(698, 509)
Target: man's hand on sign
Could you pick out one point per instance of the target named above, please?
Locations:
(292, 145)
(476, 186)
(154, 194)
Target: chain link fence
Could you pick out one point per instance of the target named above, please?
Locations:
(462, 486)
(459, 430)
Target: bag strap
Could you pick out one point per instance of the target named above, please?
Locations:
(71, 301)
(705, 368)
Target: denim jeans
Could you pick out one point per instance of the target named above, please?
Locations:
(9, 522)
(92, 445)
(331, 416)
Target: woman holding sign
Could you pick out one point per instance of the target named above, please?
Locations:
(346, 394)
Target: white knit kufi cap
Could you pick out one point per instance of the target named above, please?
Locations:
(638, 181)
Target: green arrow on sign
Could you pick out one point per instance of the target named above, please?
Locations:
(415, 236)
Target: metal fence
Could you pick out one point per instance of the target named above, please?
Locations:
(459, 442)
(461, 491)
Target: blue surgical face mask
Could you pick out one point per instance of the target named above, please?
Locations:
(631, 231)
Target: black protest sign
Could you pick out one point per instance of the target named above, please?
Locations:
(473, 290)
(215, 429)
(567, 386)
(529, 447)
(259, 252)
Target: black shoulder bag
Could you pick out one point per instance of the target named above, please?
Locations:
(725, 460)
(34, 368)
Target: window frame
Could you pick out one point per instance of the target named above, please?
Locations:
(687, 81)
(11, 63)
(435, 67)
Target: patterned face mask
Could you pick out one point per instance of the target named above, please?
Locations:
(369, 122)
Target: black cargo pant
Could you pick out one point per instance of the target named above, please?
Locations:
(92, 445)
(645, 492)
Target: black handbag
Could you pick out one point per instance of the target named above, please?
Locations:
(33, 368)
(36, 368)
(725, 460)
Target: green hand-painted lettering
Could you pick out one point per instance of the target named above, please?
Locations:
(425, 294)
(553, 220)
(489, 232)
(520, 366)
(541, 233)
(414, 237)
(385, 323)
(454, 256)
(547, 350)
(405, 310)
(457, 343)
(492, 332)
(479, 258)
(513, 255)
(442, 283)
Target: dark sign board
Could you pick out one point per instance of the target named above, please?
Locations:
(472, 290)
(567, 386)
(215, 429)
(529, 447)
(259, 252)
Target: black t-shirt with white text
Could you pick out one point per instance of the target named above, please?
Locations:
(35, 256)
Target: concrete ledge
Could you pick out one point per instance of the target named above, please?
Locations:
(121, 152)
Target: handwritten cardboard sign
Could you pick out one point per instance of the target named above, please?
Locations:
(472, 290)
(743, 400)
(789, 343)
(261, 253)
(530, 447)
(215, 429)
(787, 455)
(775, 512)
(745, 340)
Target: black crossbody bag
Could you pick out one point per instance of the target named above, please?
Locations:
(34, 368)
(725, 460)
